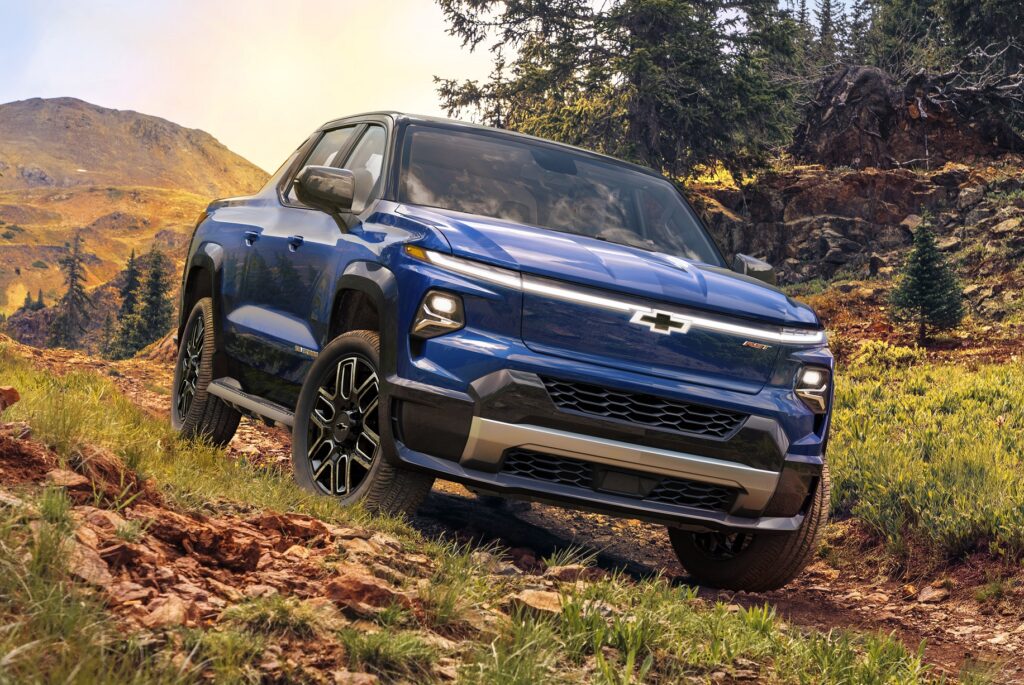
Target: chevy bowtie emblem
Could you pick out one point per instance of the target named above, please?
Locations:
(661, 322)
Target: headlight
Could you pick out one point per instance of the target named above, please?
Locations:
(439, 313)
(812, 386)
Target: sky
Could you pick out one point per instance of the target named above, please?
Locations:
(258, 75)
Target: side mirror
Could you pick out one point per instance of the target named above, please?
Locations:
(754, 267)
(326, 188)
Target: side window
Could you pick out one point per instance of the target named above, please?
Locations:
(366, 161)
(326, 153)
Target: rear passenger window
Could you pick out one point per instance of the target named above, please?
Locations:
(326, 153)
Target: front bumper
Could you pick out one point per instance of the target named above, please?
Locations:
(616, 467)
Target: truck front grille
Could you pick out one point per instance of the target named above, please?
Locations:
(587, 476)
(645, 410)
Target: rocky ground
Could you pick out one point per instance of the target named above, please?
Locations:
(185, 568)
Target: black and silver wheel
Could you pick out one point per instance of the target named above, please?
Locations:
(337, 438)
(754, 562)
(194, 412)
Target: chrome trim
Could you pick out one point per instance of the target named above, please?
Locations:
(551, 288)
(488, 440)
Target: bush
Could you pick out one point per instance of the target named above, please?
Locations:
(881, 355)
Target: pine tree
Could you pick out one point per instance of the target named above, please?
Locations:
(28, 305)
(828, 31)
(108, 337)
(155, 308)
(39, 300)
(68, 326)
(858, 43)
(130, 289)
(928, 293)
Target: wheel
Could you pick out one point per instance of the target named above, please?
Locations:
(195, 412)
(337, 436)
(755, 562)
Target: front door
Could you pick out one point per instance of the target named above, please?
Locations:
(293, 267)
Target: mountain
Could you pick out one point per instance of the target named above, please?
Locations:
(124, 181)
(65, 142)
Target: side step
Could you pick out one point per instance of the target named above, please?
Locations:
(230, 390)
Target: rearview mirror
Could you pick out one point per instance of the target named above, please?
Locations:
(326, 188)
(754, 267)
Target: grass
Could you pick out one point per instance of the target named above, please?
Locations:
(392, 655)
(932, 457)
(611, 631)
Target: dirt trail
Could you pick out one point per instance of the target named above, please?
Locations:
(957, 630)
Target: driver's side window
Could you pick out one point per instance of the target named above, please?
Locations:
(326, 153)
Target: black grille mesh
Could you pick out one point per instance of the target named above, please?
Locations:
(646, 410)
(581, 474)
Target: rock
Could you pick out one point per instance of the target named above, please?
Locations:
(875, 264)
(933, 595)
(1007, 226)
(259, 590)
(912, 222)
(168, 610)
(358, 590)
(541, 601)
(347, 677)
(970, 196)
(86, 563)
(949, 244)
(951, 175)
(62, 478)
(8, 396)
(574, 572)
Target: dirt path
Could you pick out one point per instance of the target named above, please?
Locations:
(958, 631)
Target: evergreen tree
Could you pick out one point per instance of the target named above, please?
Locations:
(828, 43)
(69, 325)
(155, 307)
(39, 300)
(928, 293)
(673, 84)
(108, 336)
(28, 305)
(130, 289)
(860, 35)
(151, 316)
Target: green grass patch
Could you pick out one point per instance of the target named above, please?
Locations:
(392, 655)
(932, 455)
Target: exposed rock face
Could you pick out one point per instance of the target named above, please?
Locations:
(861, 117)
(812, 222)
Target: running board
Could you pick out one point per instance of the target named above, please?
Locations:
(230, 390)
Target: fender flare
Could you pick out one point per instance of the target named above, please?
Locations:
(379, 284)
(209, 257)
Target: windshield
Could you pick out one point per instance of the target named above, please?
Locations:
(511, 178)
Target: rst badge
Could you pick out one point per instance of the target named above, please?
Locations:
(661, 322)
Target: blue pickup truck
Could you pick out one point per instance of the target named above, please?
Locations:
(419, 298)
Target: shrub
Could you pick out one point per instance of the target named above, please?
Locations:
(881, 355)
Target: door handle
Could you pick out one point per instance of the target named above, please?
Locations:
(251, 237)
(294, 241)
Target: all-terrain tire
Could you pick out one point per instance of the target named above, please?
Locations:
(767, 561)
(384, 487)
(202, 415)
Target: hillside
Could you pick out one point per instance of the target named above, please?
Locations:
(124, 180)
(228, 572)
(65, 142)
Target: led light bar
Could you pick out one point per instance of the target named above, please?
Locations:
(549, 288)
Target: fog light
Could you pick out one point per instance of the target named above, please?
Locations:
(812, 386)
(439, 313)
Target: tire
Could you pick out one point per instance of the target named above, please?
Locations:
(194, 412)
(763, 561)
(338, 442)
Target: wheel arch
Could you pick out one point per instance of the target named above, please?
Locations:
(366, 299)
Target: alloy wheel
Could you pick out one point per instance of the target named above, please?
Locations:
(191, 359)
(344, 426)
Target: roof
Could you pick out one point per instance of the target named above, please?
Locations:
(457, 123)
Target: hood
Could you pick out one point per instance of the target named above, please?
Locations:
(609, 266)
